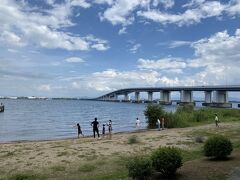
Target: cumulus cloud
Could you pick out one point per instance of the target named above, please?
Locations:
(125, 12)
(22, 25)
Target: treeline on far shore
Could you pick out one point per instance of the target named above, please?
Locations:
(186, 116)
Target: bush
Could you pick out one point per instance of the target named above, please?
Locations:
(139, 167)
(218, 146)
(167, 160)
(152, 113)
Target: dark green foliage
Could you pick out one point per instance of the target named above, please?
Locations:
(152, 113)
(22, 177)
(139, 167)
(218, 146)
(200, 115)
(167, 160)
(185, 108)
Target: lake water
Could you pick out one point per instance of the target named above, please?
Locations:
(55, 119)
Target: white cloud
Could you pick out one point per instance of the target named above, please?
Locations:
(122, 30)
(124, 12)
(135, 48)
(74, 60)
(104, 1)
(166, 3)
(175, 44)
(22, 26)
(190, 16)
(11, 38)
(165, 63)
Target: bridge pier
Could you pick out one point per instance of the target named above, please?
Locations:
(137, 97)
(221, 99)
(208, 98)
(126, 98)
(114, 98)
(165, 98)
(186, 98)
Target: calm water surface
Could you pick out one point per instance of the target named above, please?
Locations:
(54, 119)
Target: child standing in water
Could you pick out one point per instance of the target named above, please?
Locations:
(103, 130)
(79, 130)
(109, 126)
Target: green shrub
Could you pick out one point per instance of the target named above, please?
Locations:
(152, 113)
(218, 146)
(133, 139)
(139, 167)
(167, 160)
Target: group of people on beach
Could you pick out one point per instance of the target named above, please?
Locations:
(95, 126)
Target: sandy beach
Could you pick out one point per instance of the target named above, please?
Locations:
(37, 156)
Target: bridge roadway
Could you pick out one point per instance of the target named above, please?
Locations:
(220, 94)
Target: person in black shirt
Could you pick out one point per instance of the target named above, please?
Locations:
(95, 125)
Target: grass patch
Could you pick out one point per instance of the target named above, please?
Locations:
(191, 155)
(63, 153)
(133, 139)
(8, 154)
(23, 176)
(58, 168)
(87, 168)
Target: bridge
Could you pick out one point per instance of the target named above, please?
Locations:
(215, 96)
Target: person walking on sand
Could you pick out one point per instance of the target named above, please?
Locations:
(109, 126)
(216, 120)
(162, 122)
(79, 130)
(158, 124)
(95, 125)
(137, 123)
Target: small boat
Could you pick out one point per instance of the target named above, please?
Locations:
(1, 108)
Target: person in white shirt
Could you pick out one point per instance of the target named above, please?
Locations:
(216, 120)
(158, 124)
(137, 123)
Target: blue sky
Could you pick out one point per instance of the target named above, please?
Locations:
(76, 48)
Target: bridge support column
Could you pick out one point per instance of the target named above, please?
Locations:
(150, 96)
(165, 98)
(137, 97)
(208, 98)
(221, 99)
(114, 97)
(186, 98)
(126, 98)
